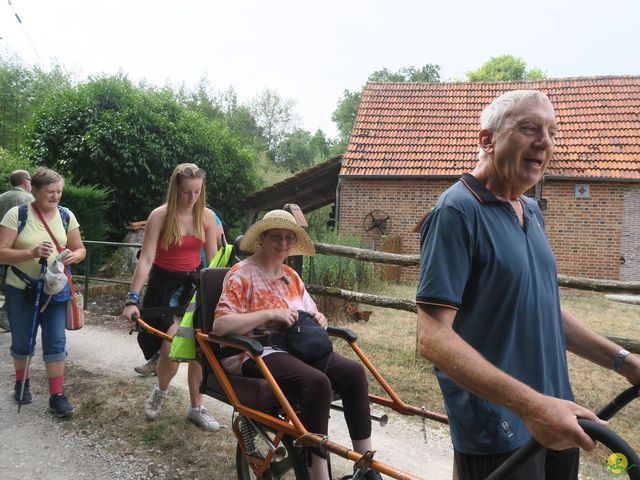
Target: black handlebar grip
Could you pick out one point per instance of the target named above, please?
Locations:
(600, 433)
(619, 402)
(615, 443)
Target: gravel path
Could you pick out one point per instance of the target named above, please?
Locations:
(34, 445)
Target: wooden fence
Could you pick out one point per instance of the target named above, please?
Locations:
(395, 259)
(411, 260)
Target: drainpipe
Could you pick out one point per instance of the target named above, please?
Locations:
(337, 215)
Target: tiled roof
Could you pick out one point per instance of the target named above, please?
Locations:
(431, 129)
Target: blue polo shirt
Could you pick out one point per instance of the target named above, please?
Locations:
(501, 278)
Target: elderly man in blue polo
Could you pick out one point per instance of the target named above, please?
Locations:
(489, 315)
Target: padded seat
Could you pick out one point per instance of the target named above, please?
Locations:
(254, 392)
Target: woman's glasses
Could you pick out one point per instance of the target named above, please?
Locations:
(193, 172)
(277, 238)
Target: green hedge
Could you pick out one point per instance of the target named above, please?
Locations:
(89, 204)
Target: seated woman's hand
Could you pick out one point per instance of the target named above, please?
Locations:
(284, 317)
(321, 320)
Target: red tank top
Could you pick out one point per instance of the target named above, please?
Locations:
(180, 258)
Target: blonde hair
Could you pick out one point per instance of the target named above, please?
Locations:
(170, 226)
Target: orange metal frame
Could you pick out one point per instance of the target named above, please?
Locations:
(291, 424)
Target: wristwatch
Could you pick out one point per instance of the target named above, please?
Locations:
(618, 360)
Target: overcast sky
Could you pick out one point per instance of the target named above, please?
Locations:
(312, 50)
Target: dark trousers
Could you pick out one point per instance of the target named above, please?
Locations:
(313, 390)
(546, 465)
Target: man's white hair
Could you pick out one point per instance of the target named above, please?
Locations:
(493, 115)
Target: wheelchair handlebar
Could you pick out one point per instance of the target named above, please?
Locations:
(598, 432)
(619, 402)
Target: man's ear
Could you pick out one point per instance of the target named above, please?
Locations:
(485, 140)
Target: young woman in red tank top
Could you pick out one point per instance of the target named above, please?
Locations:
(174, 235)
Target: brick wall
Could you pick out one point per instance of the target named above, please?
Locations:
(585, 234)
(404, 200)
(630, 250)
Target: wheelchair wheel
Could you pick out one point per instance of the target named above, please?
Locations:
(291, 467)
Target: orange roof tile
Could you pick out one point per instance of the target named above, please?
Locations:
(431, 129)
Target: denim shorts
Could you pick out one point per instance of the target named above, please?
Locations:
(174, 301)
(51, 323)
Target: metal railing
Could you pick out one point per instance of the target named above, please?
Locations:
(87, 278)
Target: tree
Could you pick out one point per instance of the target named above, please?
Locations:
(344, 116)
(22, 88)
(428, 73)
(504, 68)
(275, 116)
(111, 133)
(300, 150)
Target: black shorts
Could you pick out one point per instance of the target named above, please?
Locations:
(546, 465)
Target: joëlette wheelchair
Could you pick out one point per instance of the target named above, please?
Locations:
(271, 438)
(270, 435)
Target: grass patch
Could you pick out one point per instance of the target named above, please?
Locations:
(110, 412)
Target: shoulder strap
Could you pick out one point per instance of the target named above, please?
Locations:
(22, 276)
(23, 212)
(64, 215)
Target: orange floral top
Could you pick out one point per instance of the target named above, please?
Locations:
(247, 289)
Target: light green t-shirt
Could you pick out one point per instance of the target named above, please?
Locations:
(33, 234)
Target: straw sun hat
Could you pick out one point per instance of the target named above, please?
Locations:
(277, 219)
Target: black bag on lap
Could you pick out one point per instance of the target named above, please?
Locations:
(305, 339)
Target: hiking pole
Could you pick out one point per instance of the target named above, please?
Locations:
(36, 310)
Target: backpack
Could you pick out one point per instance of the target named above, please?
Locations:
(23, 213)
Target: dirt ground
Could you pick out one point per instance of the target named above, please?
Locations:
(35, 445)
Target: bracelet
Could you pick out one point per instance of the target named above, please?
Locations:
(128, 302)
(618, 360)
(135, 296)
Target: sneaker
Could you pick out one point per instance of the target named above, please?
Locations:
(149, 368)
(200, 417)
(154, 403)
(60, 406)
(26, 395)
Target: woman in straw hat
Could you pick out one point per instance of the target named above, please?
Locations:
(174, 235)
(261, 296)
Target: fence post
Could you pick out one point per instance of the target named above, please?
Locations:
(391, 244)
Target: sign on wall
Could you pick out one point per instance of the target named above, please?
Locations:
(582, 190)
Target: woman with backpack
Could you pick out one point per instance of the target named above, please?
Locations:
(174, 234)
(40, 230)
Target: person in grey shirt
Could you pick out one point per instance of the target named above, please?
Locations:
(20, 193)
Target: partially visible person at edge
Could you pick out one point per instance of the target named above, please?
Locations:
(23, 251)
(261, 295)
(489, 315)
(173, 237)
(150, 367)
(20, 193)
